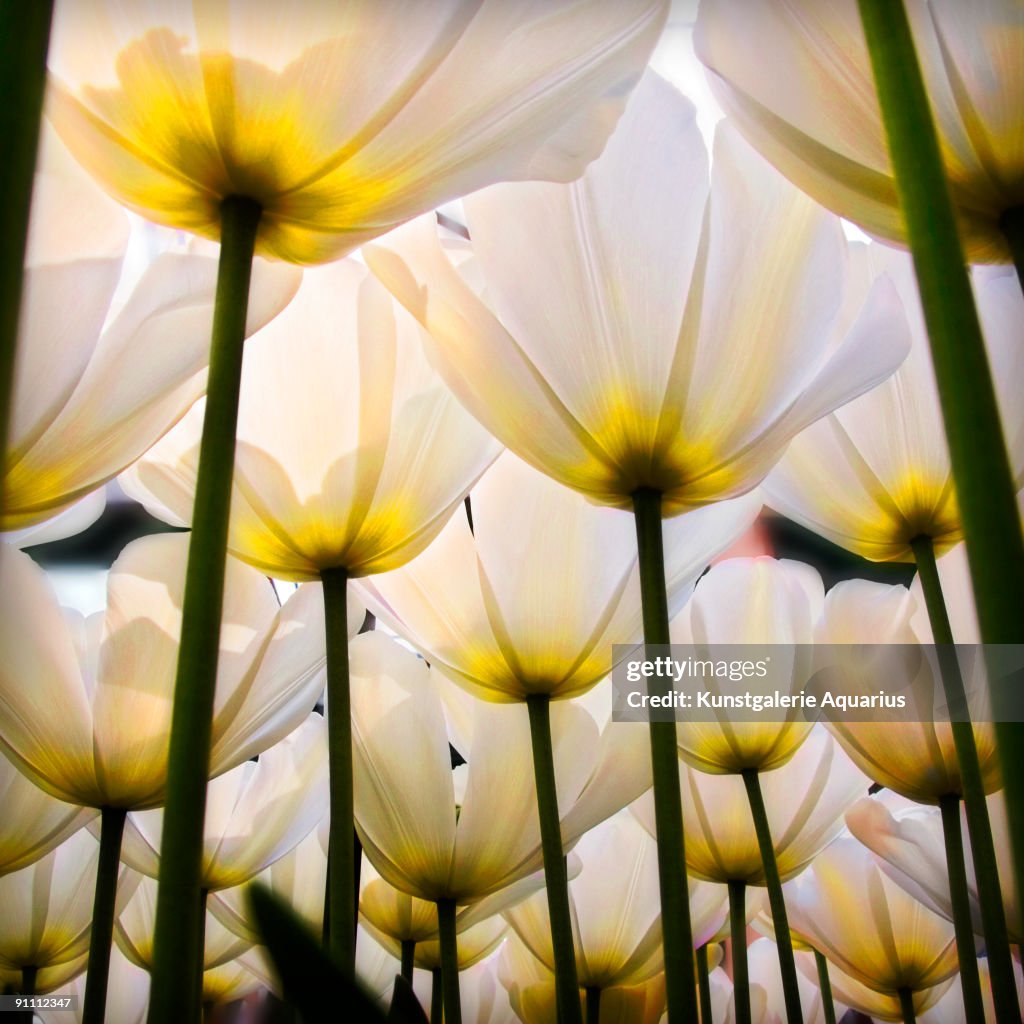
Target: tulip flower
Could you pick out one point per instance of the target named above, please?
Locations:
(299, 878)
(615, 910)
(874, 476)
(338, 125)
(845, 906)
(255, 813)
(133, 931)
(763, 961)
(94, 388)
(941, 173)
(641, 390)
(484, 998)
(803, 802)
(798, 81)
(525, 605)
(757, 601)
(910, 844)
(33, 822)
(351, 456)
(404, 787)
(924, 761)
(949, 1009)
(47, 914)
(114, 673)
(127, 994)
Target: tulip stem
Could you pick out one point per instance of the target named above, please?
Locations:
(677, 932)
(28, 988)
(567, 989)
(1012, 225)
(704, 984)
(341, 896)
(198, 982)
(979, 828)
(780, 920)
(111, 830)
(449, 961)
(907, 1006)
(188, 758)
(408, 958)
(985, 488)
(436, 997)
(970, 980)
(828, 1005)
(24, 40)
(738, 937)
(593, 1004)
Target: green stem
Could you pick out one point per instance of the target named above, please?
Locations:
(28, 988)
(828, 1005)
(436, 997)
(970, 980)
(593, 1004)
(704, 984)
(408, 958)
(24, 40)
(907, 1006)
(111, 830)
(979, 827)
(449, 961)
(1012, 225)
(567, 989)
(188, 758)
(780, 919)
(677, 932)
(985, 488)
(341, 900)
(738, 935)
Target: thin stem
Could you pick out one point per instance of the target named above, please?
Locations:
(738, 937)
(567, 989)
(188, 758)
(24, 40)
(449, 961)
(111, 830)
(1012, 225)
(780, 919)
(593, 1004)
(200, 976)
(907, 1006)
(341, 896)
(704, 984)
(28, 988)
(828, 1005)
(986, 492)
(408, 958)
(970, 980)
(677, 932)
(979, 827)
(436, 997)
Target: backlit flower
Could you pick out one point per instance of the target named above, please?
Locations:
(797, 79)
(610, 378)
(340, 121)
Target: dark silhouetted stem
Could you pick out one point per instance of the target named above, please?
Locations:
(986, 491)
(780, 920)
(408, 958)
(449, 961)
(436, 997)
(677, 932)
(704, 984)
(111, 830)
(828, 1005)
(738, 937)
(970, 980)
(593, 1005)
(979, 827)
(907, 1006)
(567, 990)
(1012, 224)
(24, 39)
(341, 893)
(188, 759)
